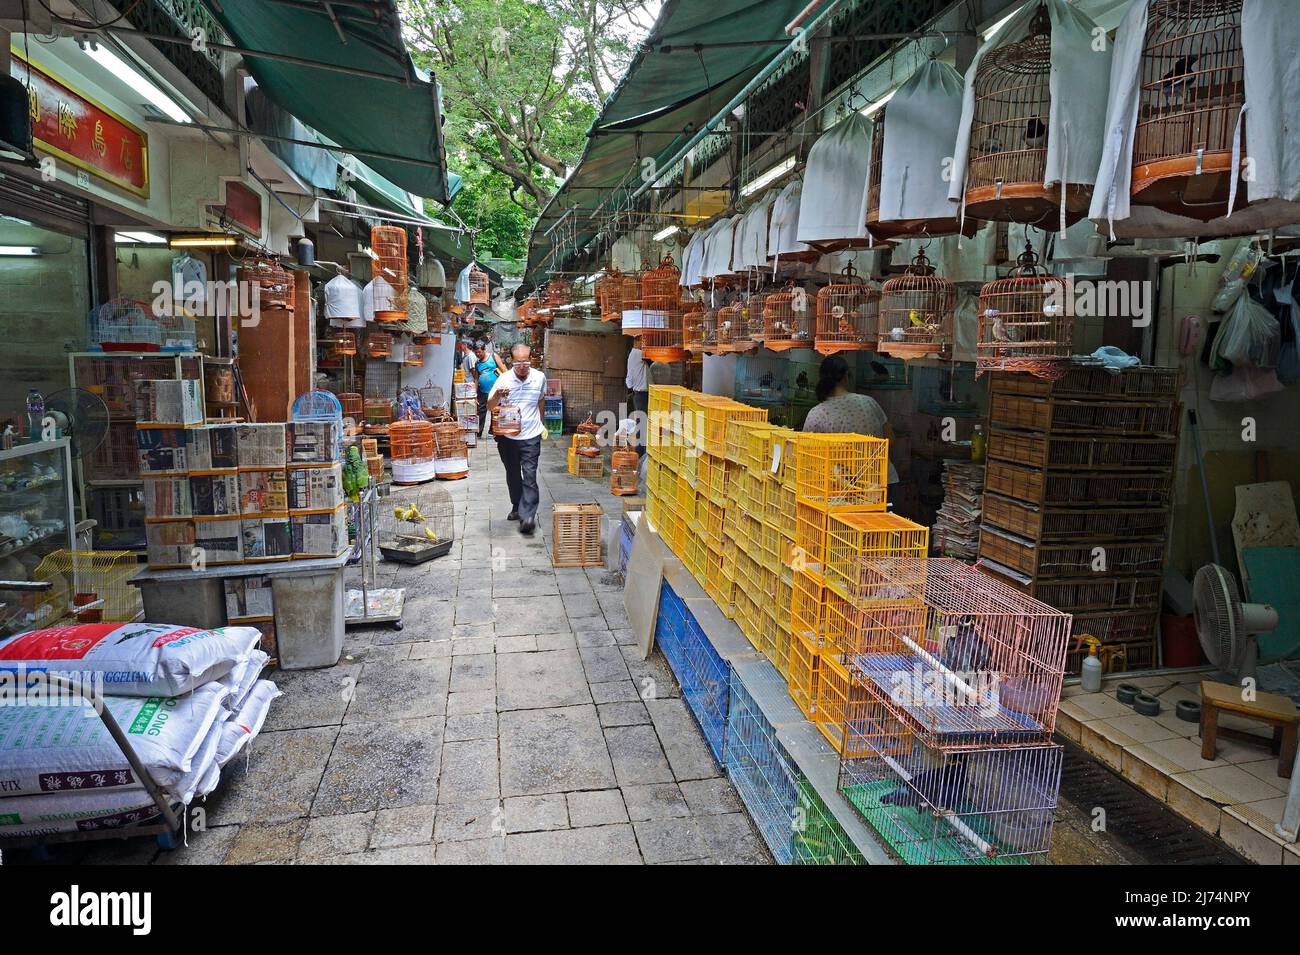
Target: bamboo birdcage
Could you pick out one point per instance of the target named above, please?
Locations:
(343, 344)
(731, 329)
(1024, 321)
(916, 312)
(410, 440)
(413, 355)
(379, 345)
(898, 228)
(351, 404)
(659, 286)
(709, 331)
(788, 320)
(1191, 90)
(479, 293)
(609, 295)
(389, 246)
(1007, 162)
(693, 328)
(755, 325)
(274, 284)
(848, 314)
(665, 344)
(557, 293)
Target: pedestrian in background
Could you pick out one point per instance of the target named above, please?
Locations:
(525, 388)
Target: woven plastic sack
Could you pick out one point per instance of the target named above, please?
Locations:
(241, 727)
(134, 659)
(242, 678)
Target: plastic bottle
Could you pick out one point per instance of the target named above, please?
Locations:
(1090, 670)
(35, 414)
(978, 445)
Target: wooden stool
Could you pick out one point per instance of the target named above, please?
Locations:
(1271, 709)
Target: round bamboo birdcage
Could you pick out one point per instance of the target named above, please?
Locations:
(410, 441)
(916, 312)
(379, 345)
(274, 284)
(479, 292)
(609, 295)
(450, 452)
(693, 328)
(665, 344)
(624, 459)
(709, 331)
(788, 320)
(731, 328)
(1191, 90)
(557, 293)
(1024, 322)
(659, 286)
(389, 246)
(427, 338)
(755, 326)
(343, 344)
(352, 404)
(377, 409)
(413, 355)
(1007, 162)
(848, 314)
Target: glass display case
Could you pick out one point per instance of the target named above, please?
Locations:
(36, 518)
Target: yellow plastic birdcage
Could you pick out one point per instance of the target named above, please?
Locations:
(805, 661)
(810, 540)
(916, 312)
(718, 415)
(842, 472)
(852, 537)
(840, 694)
(1024, 324)
(757, 454)
(788, 320)
(848, 315)
(95, 581)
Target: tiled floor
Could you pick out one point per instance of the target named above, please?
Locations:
(1237, 796)
(511, 721)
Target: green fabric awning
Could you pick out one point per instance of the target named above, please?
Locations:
(449, 245)
(401, 121)
(665, 97)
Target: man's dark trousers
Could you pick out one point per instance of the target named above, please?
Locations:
(520, 460)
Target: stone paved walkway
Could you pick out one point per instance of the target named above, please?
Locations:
(510, 721)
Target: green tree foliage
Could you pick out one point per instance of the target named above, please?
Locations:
(522, 81)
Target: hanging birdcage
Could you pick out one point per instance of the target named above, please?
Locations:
(693, 328)
(755, 325)
(557, 293)
(343, 344)
(413, 355)
(731, 330)
(431, 277)
(709, 331)
(609, 295)
(1191, 90)
(418, 527)
(787, 320)
(274, 284)
(659, 286)
(1007, 162)
(389, 246)
(665, 344)
(1024, 322)
(379, 344)
(411, 450)
(916, 312)
(479, 291)
(848, 314)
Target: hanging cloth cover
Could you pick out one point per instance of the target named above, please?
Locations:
(783, 226)
(1270, 36)
(702, 253)
(833, 207)
(1077, 115)
(921, 123)
(721, 242)
(342, 298)
(751, 252)
(463, 283)
(625, 255)
(691, 260)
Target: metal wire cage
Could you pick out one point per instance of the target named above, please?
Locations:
(665, 344)
(418, 526)
(982, 807)
(788, 320)
(98, 581)
(1024, 324)
(848, 314)
(609, 295)
(985, 662)
(1007, 162)
(1191, 90)
(659, 286)
(916, 312)
(389, 246)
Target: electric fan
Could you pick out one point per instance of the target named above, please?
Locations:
(1226, 626)
(80, 416)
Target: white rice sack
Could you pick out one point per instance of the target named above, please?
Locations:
(86, 811)
(133, 659)
(247, 723)
(47, 749)
(241, 679)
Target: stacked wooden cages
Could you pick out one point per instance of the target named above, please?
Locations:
(1025, 323)
(1078, 488)
(917, 310)
(1007, 162)
(1191, 90)
(848, 315)
(391, 285)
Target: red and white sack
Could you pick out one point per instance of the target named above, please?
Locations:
(243, 677)
(134, 659)
(45, 749)
(240, 729)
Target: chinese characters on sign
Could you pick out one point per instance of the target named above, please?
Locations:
(76, 129)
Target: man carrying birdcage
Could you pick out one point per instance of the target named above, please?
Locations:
(523, 389)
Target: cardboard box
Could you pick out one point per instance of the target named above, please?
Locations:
(169, 543)
(167, 497)
(215, 448)
(248, 597)
(268, 537)
(263, 492)
(262, 445)
(168, 401)
(316, 488)
(466, 389)
(313, 442)
(323, 534)
(215, 495)
(220, 541)
(164, 450)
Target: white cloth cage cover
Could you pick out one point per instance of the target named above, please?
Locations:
(751, 237)
(1270, 37)
(1077, 88)
(921, 123)
(783, 226)
(343, 301)
(833, 206)
(625, 255)
(717, 259)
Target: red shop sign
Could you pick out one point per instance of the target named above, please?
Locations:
(76, 129)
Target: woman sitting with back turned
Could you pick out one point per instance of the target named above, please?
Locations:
(841, 411)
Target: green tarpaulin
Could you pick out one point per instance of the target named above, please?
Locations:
(397, 119)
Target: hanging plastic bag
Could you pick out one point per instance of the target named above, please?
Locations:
(1250, 335)
(1236, 276)
(1244, 383)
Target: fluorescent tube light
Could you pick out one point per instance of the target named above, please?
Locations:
(202, 241)
(140, 238)
(664, 233)
(132, 78)
(19, 250)
(768, 177)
